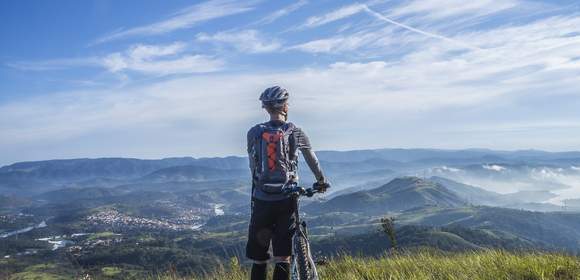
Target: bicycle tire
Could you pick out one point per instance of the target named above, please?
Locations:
(305, 265)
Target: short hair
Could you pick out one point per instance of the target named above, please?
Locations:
(274, 108)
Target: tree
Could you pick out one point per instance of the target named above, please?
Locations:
(388, 228)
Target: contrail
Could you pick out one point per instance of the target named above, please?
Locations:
(429, 34)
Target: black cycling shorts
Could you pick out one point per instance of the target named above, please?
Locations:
(271, 221)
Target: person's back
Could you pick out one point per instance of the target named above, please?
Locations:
(273, 154)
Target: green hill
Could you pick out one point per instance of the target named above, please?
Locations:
(559, 229)
(400, 194)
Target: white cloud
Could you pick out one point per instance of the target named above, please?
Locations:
(151, 59)
(440, 9)
(282, 12)
(340, 13)
(494, 167)
(416, 30)
(185, 18)
(522, 82)
(405, 104)
(324, 45)
(156, 60)
(371, 37)
(118, 62)
(250, 41)
(344, 43)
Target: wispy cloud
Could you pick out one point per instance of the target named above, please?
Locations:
(282, 12)
(346, 43)
(402, 74)
(156, 60)
(183, 19)
(342, 42)
(160, 60)
(416, 30)
(249, 41)
(340, 13)
(440, 9)
(424, 95)
(54, 64)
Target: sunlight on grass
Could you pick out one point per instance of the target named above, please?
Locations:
(426, 264)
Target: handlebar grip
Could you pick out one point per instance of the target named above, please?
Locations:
(319, 187)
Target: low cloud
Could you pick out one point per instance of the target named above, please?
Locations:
(343, 105)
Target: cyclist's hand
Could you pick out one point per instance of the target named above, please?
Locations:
(321, 186)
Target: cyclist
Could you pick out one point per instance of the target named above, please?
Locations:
(273, 152)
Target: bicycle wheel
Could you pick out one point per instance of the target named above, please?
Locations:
(304, 262)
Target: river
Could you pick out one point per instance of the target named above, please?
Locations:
(27, 229)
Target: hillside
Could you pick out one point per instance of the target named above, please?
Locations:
(449, 239)
(474, 195)
(194, 173)
(429, 264)
(400, 194)
(558, 229)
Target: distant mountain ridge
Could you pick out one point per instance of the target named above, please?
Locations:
(409, 155)
(333, 161)
(362, 169)
(108, 167)
(184, 173)
(26, 178)
(384, 156)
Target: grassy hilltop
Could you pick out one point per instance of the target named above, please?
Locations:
(428, 264)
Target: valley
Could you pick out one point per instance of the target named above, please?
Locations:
(142, 217)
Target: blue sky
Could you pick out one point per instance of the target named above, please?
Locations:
(153, 79)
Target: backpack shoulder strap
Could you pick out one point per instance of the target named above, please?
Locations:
(288, 127)
(260, 128)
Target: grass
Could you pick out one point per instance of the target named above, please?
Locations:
(110, 271)
(428, 264)
(37, 276)
(38, 272)
(474, 266)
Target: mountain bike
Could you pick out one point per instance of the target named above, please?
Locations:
(302, 266)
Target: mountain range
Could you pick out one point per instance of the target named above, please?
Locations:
(198, 209)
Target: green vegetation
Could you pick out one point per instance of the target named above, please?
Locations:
(431, 264)
(110, 271)
(102, 235)
(45, 271)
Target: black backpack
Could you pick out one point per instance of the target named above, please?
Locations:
(274, 155)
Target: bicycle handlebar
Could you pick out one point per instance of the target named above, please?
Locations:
(296, 191)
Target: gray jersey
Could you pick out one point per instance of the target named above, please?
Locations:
(300, 143)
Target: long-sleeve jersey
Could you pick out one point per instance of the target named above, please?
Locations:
(301, 143)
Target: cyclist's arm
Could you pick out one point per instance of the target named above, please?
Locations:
(303, 144)
(313, 163)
